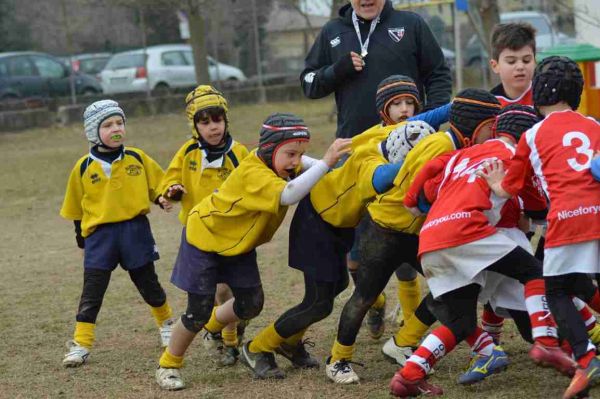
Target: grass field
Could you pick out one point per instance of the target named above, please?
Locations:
(41, 276)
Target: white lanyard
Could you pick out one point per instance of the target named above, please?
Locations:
(365, 45)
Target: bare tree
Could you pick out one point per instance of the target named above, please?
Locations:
(198, 39)
(484, 14)
(335, 7)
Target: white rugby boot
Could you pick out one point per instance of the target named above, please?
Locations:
(169, 379)
(396, 354)
(340, 372)
(76, 356)
(165, 331)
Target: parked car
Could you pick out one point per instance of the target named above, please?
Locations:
(31, 74)
(90, 63)
(546, 35)
(450, 58)
(160, 68)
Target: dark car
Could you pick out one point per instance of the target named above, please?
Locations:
(90, 63)
(31, 74)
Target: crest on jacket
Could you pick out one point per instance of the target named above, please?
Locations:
(396, 34)
(335, 41)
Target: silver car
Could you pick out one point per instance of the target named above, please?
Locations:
(160, 69)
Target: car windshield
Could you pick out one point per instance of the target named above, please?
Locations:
(92, 65)
(122, 61)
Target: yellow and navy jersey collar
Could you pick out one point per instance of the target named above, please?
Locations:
(218, 162)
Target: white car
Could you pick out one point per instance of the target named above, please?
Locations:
(167, 67)
(545, 37)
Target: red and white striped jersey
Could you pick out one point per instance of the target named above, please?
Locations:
(428, 181)
(559, 150)
(465, 209)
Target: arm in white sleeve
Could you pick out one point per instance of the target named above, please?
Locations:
(297, 189)
(308, 162)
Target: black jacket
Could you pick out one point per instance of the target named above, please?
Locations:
(402, 43)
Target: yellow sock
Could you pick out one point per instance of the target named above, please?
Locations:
(411, 332)
(213, 325)
(379, 302)
(84, 334)
(161, 313)
(230, 337)
(170, 361)
(294, 339)
(409, 296)
(266, 341)
(339, 352)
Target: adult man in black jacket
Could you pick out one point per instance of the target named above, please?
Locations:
(391, 42)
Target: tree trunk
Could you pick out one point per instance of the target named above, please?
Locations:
(198, 42)
(335, 7)
(487, 10)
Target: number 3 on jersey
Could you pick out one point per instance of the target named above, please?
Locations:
(584, 149)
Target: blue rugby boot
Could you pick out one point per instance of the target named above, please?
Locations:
(482, 366)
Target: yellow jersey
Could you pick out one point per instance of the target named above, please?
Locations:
(242, 214)
(341, 196)
(99, 192)
(190, 168)
(388, 209)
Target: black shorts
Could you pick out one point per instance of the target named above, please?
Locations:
(317, 248)
(198, 272)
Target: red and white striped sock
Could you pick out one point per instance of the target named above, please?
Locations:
(586, 313)
(481, 342)
(543, 326)
(435, 346)
(492, 324)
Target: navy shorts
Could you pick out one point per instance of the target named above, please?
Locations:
(129, 243)
(316, 247)
(198, 272)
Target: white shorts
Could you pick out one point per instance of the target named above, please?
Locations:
(583, 257)
(502, 291)
(451, 268)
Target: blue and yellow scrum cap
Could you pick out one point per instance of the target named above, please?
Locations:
(201, 98)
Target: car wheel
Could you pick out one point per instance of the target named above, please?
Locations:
(162, 89)
(88, 91)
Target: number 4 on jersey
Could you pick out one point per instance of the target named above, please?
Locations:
(463, 169)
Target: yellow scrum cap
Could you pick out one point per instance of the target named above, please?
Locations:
(203, 97)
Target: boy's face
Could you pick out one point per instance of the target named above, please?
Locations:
(367, 9)
(515, 68)
(112, 131)
(211, 129)
(401, 108)
(287, 158)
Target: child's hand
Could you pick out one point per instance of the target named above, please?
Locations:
(175, 192)
(164, 204)
(335, 151)
(493, 173)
